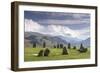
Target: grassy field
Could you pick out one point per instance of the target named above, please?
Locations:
(55, 54)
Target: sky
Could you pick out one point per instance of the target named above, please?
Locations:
(73, 25)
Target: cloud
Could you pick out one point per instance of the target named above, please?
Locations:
(42, 15)
(81, 16)
(56, 30)
(31, 26)
(64, 22)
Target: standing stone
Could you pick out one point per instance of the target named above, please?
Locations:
(82, 49)
(65, 51)
(46, 52)
(40, 53)
(74, 47)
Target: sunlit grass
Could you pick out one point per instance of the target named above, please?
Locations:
(30, 54)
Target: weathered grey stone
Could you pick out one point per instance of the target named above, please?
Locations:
(65, 51)
(40, 53)
(46, 52)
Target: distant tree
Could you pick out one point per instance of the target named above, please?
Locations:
(69, 45)
(34, 45)
(74, 47)
(44, 44)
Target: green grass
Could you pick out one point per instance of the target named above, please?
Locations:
(55, 54)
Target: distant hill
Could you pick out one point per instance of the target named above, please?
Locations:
(34, 37)
(86, 42)
(38, 38)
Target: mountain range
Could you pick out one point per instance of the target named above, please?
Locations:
(34, 37)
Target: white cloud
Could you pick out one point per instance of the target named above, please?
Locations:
(31, 26)
(55, 30)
